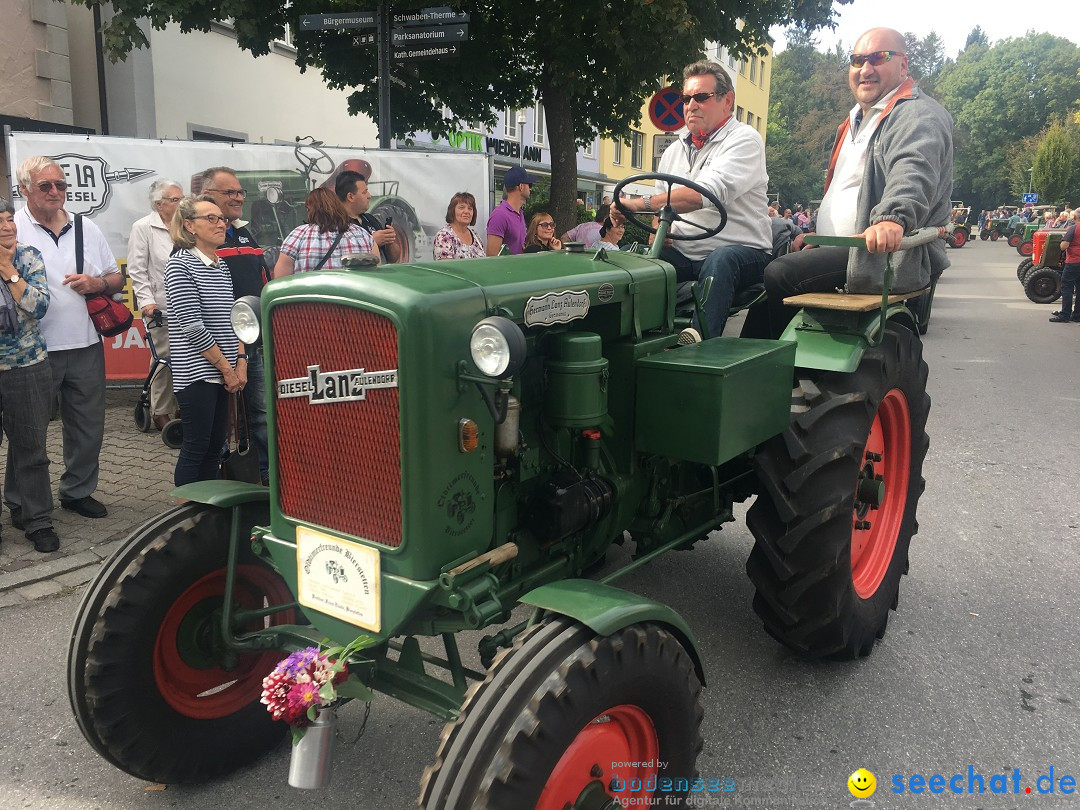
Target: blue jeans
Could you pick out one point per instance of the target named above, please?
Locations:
(204, 412)
(255, 402)
(731, 267)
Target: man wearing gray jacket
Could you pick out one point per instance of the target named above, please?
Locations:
(890, 174)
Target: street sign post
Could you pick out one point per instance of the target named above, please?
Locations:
(666, 110)
(432, 16)
(355, 19)
(426, 52)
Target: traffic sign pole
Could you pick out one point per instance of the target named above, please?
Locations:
(385, 49)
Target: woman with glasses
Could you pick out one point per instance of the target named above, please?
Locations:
(541, 235)
(149, 248)
(208, 362)
(327, 236)
(457, 240)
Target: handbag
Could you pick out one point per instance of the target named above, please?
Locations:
(241, 461)
(110, 317)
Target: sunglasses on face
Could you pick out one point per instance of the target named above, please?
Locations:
(170, 199)
(700, 98)
(213, 219)
(545, 224)
(45, 185)
(877, 58)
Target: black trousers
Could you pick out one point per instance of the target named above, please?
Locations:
(820, 269)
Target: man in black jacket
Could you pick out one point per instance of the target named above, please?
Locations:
(352, 189)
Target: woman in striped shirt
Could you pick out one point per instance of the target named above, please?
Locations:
(208, 362)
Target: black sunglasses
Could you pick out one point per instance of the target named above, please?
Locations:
(700, 98)
(45, 185)
(877, 58)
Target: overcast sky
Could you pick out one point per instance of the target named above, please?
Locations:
(951, 20)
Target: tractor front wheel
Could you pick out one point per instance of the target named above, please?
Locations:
(152, 687)
(837, 508)
(1022, 269)
(1043, 285)
(567, 718)
(960, 237)
(1026, 248)
(984, 234)
(994, 236)
(1014, 241)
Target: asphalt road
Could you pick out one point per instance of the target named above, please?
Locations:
(978, 668)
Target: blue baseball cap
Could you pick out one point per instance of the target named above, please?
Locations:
(516, 176)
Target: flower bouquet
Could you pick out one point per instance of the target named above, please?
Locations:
(309, 680)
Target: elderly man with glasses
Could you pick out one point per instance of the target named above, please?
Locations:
(890, 174)
(76, 354)
(244, 258)
(727, 157)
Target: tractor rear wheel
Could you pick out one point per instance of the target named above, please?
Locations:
(1026, 248)
(1043, 285)
(567, 718)
(836, 512)
(147, 677)
(960, 237)
(1022, 268)
(994, 236)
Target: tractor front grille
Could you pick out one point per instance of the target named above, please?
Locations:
(339, 461)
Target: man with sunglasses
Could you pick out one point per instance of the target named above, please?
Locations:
(727, 157)
(890, 174)
(244, 258)
(76, 353)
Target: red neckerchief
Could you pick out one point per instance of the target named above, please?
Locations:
(700, 140)
(904, 91)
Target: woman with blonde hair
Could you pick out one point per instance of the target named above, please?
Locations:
(208, 362)
(328, 235)
(541, 235)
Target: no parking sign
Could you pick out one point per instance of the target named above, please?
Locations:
(666, 110)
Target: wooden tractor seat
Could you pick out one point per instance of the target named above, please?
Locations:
(848, 302)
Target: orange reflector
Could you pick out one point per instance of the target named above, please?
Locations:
(468, 435)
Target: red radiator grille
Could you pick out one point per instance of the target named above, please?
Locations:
(339, 463)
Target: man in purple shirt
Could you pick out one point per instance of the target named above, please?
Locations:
(506, 225)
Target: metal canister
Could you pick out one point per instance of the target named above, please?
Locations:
(313, 757)
(577, 380)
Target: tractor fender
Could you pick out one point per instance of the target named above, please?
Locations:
(835, 341)
(606, 610)
(223, 494)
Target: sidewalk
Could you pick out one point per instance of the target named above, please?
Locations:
(136, 477)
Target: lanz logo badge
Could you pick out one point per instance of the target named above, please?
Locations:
(336, 386)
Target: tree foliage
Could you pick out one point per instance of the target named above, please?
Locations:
(999, 96)
(926, 58)
(976, 37)
(592, 65)
(1052, 168)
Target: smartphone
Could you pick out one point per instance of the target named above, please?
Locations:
(389, 222)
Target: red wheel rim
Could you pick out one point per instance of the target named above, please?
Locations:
(1027, 248)
(618, 748)
(201, 689)
(960, 237)
(994, 236)
(1014, 241)
(887, 454)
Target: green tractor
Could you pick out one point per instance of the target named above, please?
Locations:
(1041, 274)
(958, 232)
(454, 440)
(1027, 240)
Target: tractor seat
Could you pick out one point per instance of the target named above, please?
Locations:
(848, 302)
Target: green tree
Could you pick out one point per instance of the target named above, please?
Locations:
(926, 58)
(590, 64)
(1053, 164)
(998, 96)
(976, 37)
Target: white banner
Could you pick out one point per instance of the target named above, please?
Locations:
(110, 181)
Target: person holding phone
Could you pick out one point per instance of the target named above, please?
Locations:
(328, 235)
(352, 189)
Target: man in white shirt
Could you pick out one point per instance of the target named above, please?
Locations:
(76, 353)
(728, 158)
(890, 174)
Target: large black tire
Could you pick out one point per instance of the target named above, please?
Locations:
(1043, 285)
(811, 594)
(995, 235)
(144, 674)
(558, 685)
(142, 416)
(984, 234)
(1022, 269)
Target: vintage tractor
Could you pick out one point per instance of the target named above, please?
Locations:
(996, 229)
(1042, 278)
(1027, 243)
(452, 440)
(958, 232)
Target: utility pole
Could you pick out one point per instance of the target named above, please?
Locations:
(385, 22)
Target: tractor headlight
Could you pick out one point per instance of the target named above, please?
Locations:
(245, 319)
(497, 347)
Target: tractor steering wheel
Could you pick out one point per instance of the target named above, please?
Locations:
(667, 212)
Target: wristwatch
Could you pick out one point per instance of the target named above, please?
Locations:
(11, 279)
(648, 203)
